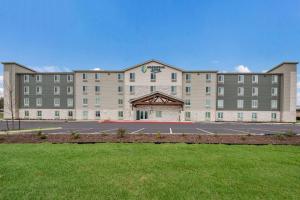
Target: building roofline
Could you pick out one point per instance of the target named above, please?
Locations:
(200, 71)
(48, 73)
(245, 73)
(98, 71)
(156, 92)
(277, 66)
(7, 63)
(152, 60)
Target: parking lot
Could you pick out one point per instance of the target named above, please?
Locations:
(172, 128)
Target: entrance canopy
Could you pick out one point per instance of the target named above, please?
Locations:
(157, 99)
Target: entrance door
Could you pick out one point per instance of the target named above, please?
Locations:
(141, 114)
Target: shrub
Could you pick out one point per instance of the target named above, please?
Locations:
(121, 132)
(43, 136)
(73, 133)
(39, 133)
(279, 136)
(290, 133)
(158, 135)
(76, 136)
(243, 138)
(104, 134)
(183, 134)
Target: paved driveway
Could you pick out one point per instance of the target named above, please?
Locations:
(200, 128)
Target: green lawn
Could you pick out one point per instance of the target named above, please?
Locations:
(148, 171)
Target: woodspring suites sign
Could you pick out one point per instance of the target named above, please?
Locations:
(152, 68)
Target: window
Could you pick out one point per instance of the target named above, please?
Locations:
(132, 77)
(38, 90)
(56, 90)
(274, 78)
(26, 78)
(26, 90)
(254, 103)
(85, 101)
(120, 114)
(254, 78)
(120, 101)
(153, 77)
(240, 91)
(240, 78)
(84, 89)
(173, 90)
(220, 78)
(38, 78)
(97, 88)
(207, 103)
(221, 91)
(26, 102)
(152, 88)
(97, 114)
(274, 91)
(56, 102)
(84, 76)
(254, 91)
(220, 103)
(97, 76)
(208, 77)
(207, 115)
(187, 102)
(38, 102)
(254, 116)
(240, 103)
(273, 116)
(69, 78)
(120, 77)
(26, 113)
(39, 113)
(120, 89)
(70, 90)
(131, 89)
(70, 102)
(85, 114)
(56, 78)
(174, 77)
(207, 90)
(188, 90)
(220, 115)
(187, 116)
(70, 113)
(274, 104)
(158, 114)
(97, 101)
(188, 78)
(240, 116)
(56, 114)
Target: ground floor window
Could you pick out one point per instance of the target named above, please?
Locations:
(39, 113)
(187, 116)
(240, 116)
(120, 114)
(207, 115)
(220, 115)
(158, 114)
(254, 116)
(26, 113)
(85, 114)
(97, 113)
(56, 114)
(70, 113)
(274, 116)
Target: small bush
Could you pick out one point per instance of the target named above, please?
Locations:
(280, 136)
(73, 133)
(76, 136)
(43, 136)
(104, 134)
(39, 133)
(199, 137)
(243, 138)
(121, 132)
(290, 133)
(158, 135)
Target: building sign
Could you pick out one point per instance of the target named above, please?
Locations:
(154, 69)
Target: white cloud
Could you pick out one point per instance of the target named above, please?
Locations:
(298, 98)
(264, 71)
(51, 69)
(298, 85)
(97, 69)
(242, 68)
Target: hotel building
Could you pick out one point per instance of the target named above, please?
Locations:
(151, 91)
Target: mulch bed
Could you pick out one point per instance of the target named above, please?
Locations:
(151, 138)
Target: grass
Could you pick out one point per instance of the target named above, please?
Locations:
(148, 171)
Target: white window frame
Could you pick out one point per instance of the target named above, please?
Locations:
(152, 88)
(188, 90)
(70, 102)
(96, 114)
(56, 114)
(207, 103)
(274, 91)
(38, 78)
(131, 89)
(254, 78)
(97, 86)
(120, 114)
(26, 90)
(26, 102)
(241, 78)
(240, 103)
(131, 76)
(274, 104)
(187, 102)
(37, 113)
(26, 78)
(188, 78)
(221, 78)
(70, 90)
(69, 78)
(207, 115)
(120, 89)
(26, 113)
(207, 90)
(220, 103)
(158, 114)
(252, 116)
(97, 100)
(56, 102)
(85, 101)
(152, 77)
(173, 76)
(97, 76)
(120, 77)
(254, 91)
(40, 90)
(187, 115)
(240, 91)
(58, 90)
(240, 116)
(173, 89)
(84, 89)
(208, 77)
(120, 102)
(220, 91)
(39, 102)
(84, 76)
(274, 79)
(273, 116)
(220, 115)
(254, 103)
(56, 78)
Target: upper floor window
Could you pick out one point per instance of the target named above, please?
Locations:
(274, 78)
(173, 89)
(56, 78)
(97, 100)
(274, 104)
(152, 88)
(120, 77)
(84, 76)
(132, 76)
(97, 88)
(241, 78)
(120, 101)
(207, 90)
(240, 103)
(254, 103)
(69, 90)
(187, 102)
(26, 102)
(254, 78)
(208, 77)
(69, 78)
(38, 102)
(207, 103)
(254, 91)
(174, 76)
(131, 89)
(56, 90)
(85, 101)
(188, 90)
(274, 91)
(84, 89)
(120, 114)
(120, 89)
(240, 91)
(56, 102)
(70, 102)
(26, 90)
(220, 78)
(221, 91)
(188, 77)
(26, 78)
(38, 78)
(220, 103)
(97, 76)
(38, 90)
(153, 76)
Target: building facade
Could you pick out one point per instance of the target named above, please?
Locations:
(151, 91)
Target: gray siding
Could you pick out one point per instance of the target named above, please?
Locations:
(264, 92)
(47, 96)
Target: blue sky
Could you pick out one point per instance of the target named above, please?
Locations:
(112, 34)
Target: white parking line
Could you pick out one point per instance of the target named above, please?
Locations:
(109, 130)
(211, 133)
(237, 130)
(137, 131)
(171, 132)
(267, 130)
